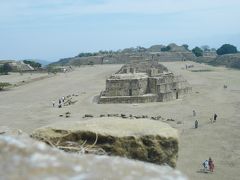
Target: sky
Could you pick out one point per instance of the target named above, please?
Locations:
(54, 29)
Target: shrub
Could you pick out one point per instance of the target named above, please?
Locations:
(33, 63)
(168, 48)
(3, 85)
(227, 49)
(185, 46)
(5, 69)
(197, 51)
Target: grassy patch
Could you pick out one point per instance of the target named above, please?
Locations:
(4, 85)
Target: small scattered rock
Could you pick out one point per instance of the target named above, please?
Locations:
(138, 117)
(123, 115)
(88, 115)
(113, 115)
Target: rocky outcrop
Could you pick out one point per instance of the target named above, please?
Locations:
(141, 139)
(24, 158)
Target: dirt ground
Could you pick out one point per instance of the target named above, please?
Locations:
(17, 78)
(30, 106)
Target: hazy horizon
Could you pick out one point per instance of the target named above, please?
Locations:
(50, 30)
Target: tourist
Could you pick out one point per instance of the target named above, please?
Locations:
(63, 98)
(215, 117)
(206, 165)
(196, 124)
(211, 164)
(53, 103)
(211, 120)
(194, 113)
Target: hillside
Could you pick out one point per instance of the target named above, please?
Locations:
(155, 52)
(161, 53)
(227, 60)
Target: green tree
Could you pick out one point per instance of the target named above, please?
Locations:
(185, 46)
(227, 49)
(168, 48)
(6, 68)
(33, 63)
(197, 51)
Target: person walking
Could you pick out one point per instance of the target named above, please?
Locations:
(210, 164)
(53, 103)
(215, 117)
(196, 124)
(211, 120)
(206, 165)
(59, 103)
(194, 113)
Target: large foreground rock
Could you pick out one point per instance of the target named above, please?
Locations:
(141, 139)
(24, 158)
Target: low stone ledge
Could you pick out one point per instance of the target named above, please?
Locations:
(141, 139)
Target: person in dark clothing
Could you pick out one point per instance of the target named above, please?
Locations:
(215, 117)
(196, 124)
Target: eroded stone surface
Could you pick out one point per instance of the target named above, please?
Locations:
(24, 158)
(141, 139)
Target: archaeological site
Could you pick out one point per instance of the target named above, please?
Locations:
(144, 82)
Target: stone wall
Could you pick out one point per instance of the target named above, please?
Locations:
(134, 84)
(128, 99)
(144, 67)
(126, 87)
(167, 96)
(141, 139)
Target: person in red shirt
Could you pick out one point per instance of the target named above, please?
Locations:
(211, 164)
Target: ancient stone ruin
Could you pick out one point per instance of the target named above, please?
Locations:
(144, 82)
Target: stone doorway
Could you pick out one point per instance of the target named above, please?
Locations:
(130, 92)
